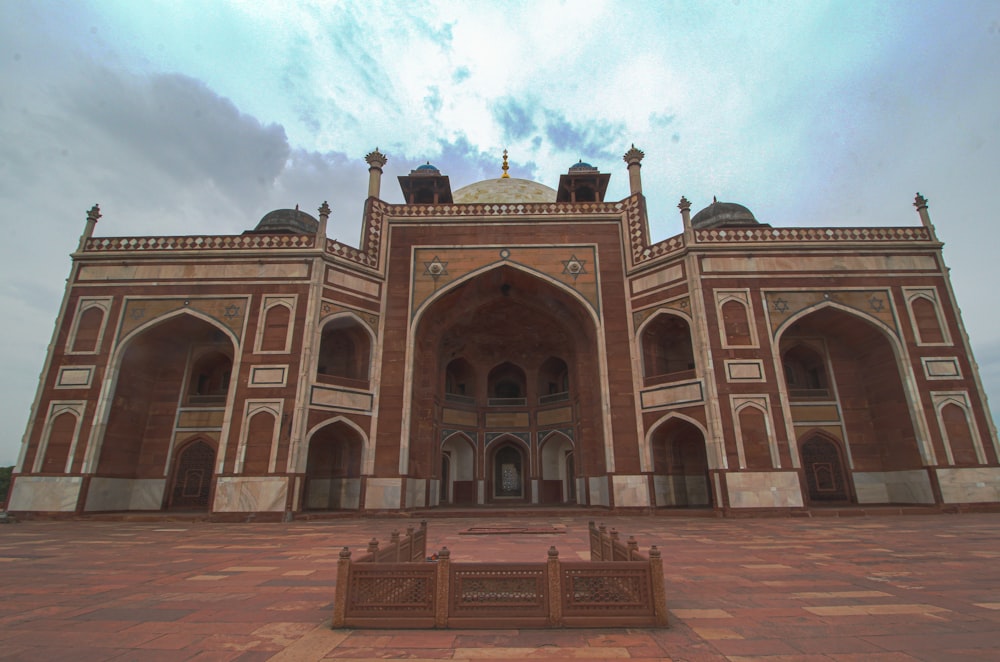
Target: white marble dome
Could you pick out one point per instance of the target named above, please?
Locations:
(504, 191)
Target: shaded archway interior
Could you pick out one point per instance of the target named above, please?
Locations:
(831, 356)
(500, 350)
(183, 361)
(680, 465)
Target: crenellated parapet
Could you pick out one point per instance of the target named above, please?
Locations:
(199, 243)
(788, 235)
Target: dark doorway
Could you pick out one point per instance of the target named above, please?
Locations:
(193, 477)
(824, 470)
(508, 475)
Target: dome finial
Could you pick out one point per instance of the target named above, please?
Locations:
(505, 166)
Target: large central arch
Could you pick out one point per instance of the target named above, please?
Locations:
(180, 365)
(850, 366)
(506, 352)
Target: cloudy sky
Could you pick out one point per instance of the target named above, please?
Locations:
(201, 116)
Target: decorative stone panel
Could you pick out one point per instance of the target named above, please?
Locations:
(783, 305)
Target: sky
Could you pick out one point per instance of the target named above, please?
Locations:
(198, 117)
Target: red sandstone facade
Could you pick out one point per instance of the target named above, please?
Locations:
(485, 347)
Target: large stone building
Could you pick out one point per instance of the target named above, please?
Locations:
(509, 343)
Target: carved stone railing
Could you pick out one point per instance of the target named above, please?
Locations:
(608, 591)
(199, 243)
(401, 549)
(788, 235)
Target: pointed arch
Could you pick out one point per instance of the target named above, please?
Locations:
(191, 477)
(667, 348)
(927, 320)
(871, 385)
(736, 327)
(493, 288)
(334, 465)
(275, 321)
(458, 469)
(123, 342)
(367, 455)
(425, 305)
(507, 384)
(508, 460)
(56, 448)
(556, 471)
(346, 349)
(962, 443)
(827, 477)
(680, 462)
(195, 328)
(754, 436)
(887, 330)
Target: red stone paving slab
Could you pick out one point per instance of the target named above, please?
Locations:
(887, 588)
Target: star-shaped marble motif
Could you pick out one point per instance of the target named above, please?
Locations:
(137, 313)
(435, 268)
(326, 308)
(574, 266)
(780, 305)
(231, 311)
(876, 304)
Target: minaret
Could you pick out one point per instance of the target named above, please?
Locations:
(632, 158)
(920, 202)
(88, 230)
(376, 160)
(324, 216)
(685, 206)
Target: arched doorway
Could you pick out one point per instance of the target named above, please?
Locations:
(333, 469)
(179, 367)
(823, 467)
(556, 485)
(192, 477)
(458, 472)
(844, 367)
(508, 471)
(505, 352)
(680, 465)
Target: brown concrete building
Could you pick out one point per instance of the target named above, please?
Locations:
(509, 343)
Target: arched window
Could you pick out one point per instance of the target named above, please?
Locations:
(210, 376)
(805, 373)
(736, 323)
(925, 314)
(60, 439)
(260, 436)
(506, 384)
(459, 381)
(275, 335)
(88, 329)
(666, 348)
(754, 435)
(553, 380)
(963, 449)
(345, 350)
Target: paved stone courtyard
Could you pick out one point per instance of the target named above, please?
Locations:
(917, 587)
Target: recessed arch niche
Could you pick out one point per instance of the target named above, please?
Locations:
(507, 334)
